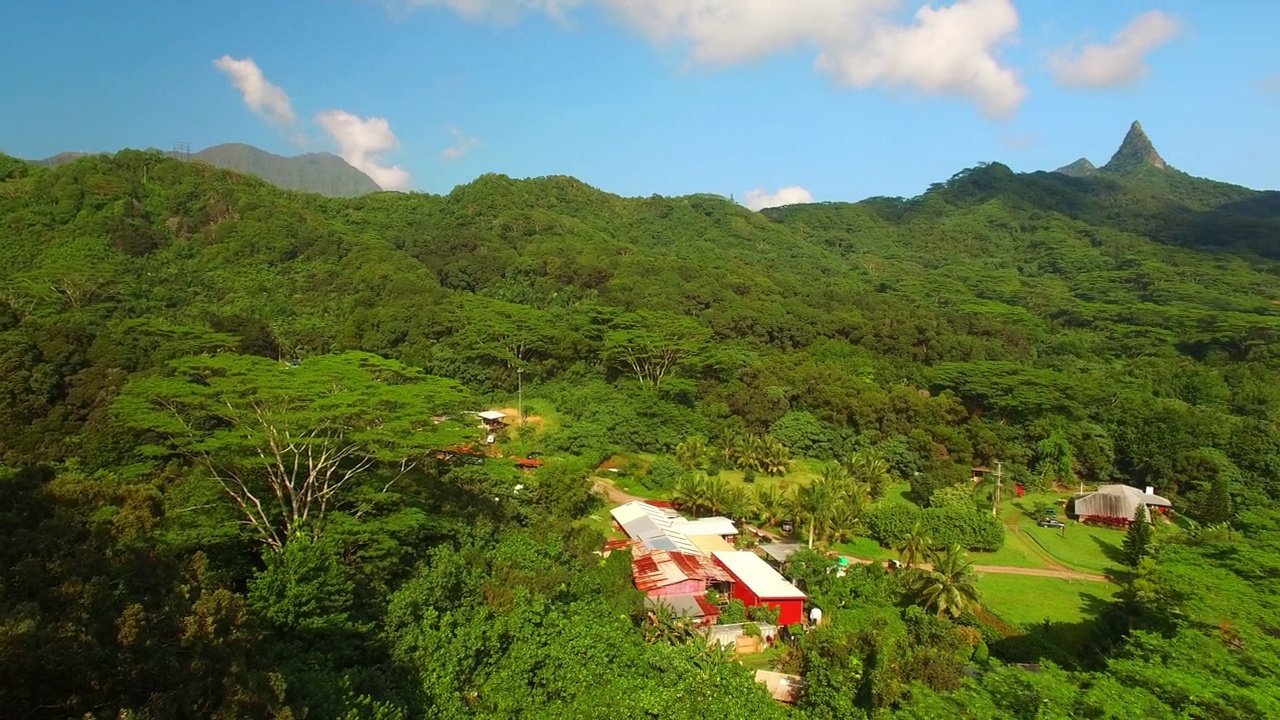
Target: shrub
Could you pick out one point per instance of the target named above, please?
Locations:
(964, 526)
(803, 433)
(734, 612)
(663, 474)
(890, 523)
(764, 614)
(936, 476)
(751, 630)
(952, 496)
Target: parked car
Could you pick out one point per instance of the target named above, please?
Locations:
(1052, 523)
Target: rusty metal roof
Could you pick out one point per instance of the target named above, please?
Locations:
(661, 568)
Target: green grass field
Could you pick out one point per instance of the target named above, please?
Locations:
(1023, 600)
(1079, 547)
(803, 470)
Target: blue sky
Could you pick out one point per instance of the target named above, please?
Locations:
(835, 99)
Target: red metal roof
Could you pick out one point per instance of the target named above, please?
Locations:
(528, 462)
(662, 568)
(708, 610)
(658, 503)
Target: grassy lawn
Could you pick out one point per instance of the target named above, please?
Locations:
(865, 548)
(1080, 547)
(803, 470)
(632, 486)
(1023, 600)
(1014, 553)
(763, 660)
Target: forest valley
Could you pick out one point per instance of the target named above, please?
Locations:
(222, 406)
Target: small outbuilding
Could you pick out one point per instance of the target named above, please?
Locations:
(783, 687)
(1117, 502)
(757, 584)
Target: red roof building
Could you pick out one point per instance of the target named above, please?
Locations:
(757, 584)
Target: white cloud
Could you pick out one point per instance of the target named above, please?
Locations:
(462, 144)
(500, 9)
(1120, 63)
(946, 51)
(950, 50)
(268, 101)
(362, 143)
(794, 195)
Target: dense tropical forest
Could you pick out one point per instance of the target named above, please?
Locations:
(222, 406)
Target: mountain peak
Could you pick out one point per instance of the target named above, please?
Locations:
(1135, 152)
(1079, 168)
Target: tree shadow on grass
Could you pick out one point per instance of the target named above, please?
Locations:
(1071, 645)
(1114, 553)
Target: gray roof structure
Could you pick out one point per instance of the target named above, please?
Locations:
(1118, 501)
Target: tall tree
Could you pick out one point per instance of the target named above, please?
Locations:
(692, 454)
(1137, 541)
(651, 344)
(949, 587)
(869, 468)
(916, 546)
(286, 442)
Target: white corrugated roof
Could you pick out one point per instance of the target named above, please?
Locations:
(653, 527)
(756, 574)
(707, 526)
(491, 415)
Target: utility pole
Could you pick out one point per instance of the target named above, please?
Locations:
(995, 509)
(520, 394)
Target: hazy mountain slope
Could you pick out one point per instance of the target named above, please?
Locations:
(321, 173)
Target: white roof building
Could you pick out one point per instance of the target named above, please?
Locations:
(721, 526)
(491, 415)
(763, 581)
(665, 529)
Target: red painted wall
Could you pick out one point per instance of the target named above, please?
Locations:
(791, 610)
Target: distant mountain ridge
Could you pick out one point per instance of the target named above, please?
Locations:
(322, 173)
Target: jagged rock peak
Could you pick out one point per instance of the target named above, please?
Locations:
(1135, 151)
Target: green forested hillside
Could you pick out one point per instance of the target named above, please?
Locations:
(1080, 329)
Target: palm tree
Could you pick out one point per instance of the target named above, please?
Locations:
(690, 491)
(770, 504)
(718, 495)
(949, 587)
(775, 458)
(731, 449)
(738, 503)
(814, 502)
(843, 522)
(871, 469)
(915, 547)
(692, 453)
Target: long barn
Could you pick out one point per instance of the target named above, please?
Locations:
(756, 584)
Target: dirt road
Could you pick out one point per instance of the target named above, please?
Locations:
(614, 495)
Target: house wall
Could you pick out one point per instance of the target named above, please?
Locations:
(791, 610)
(688, 587)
